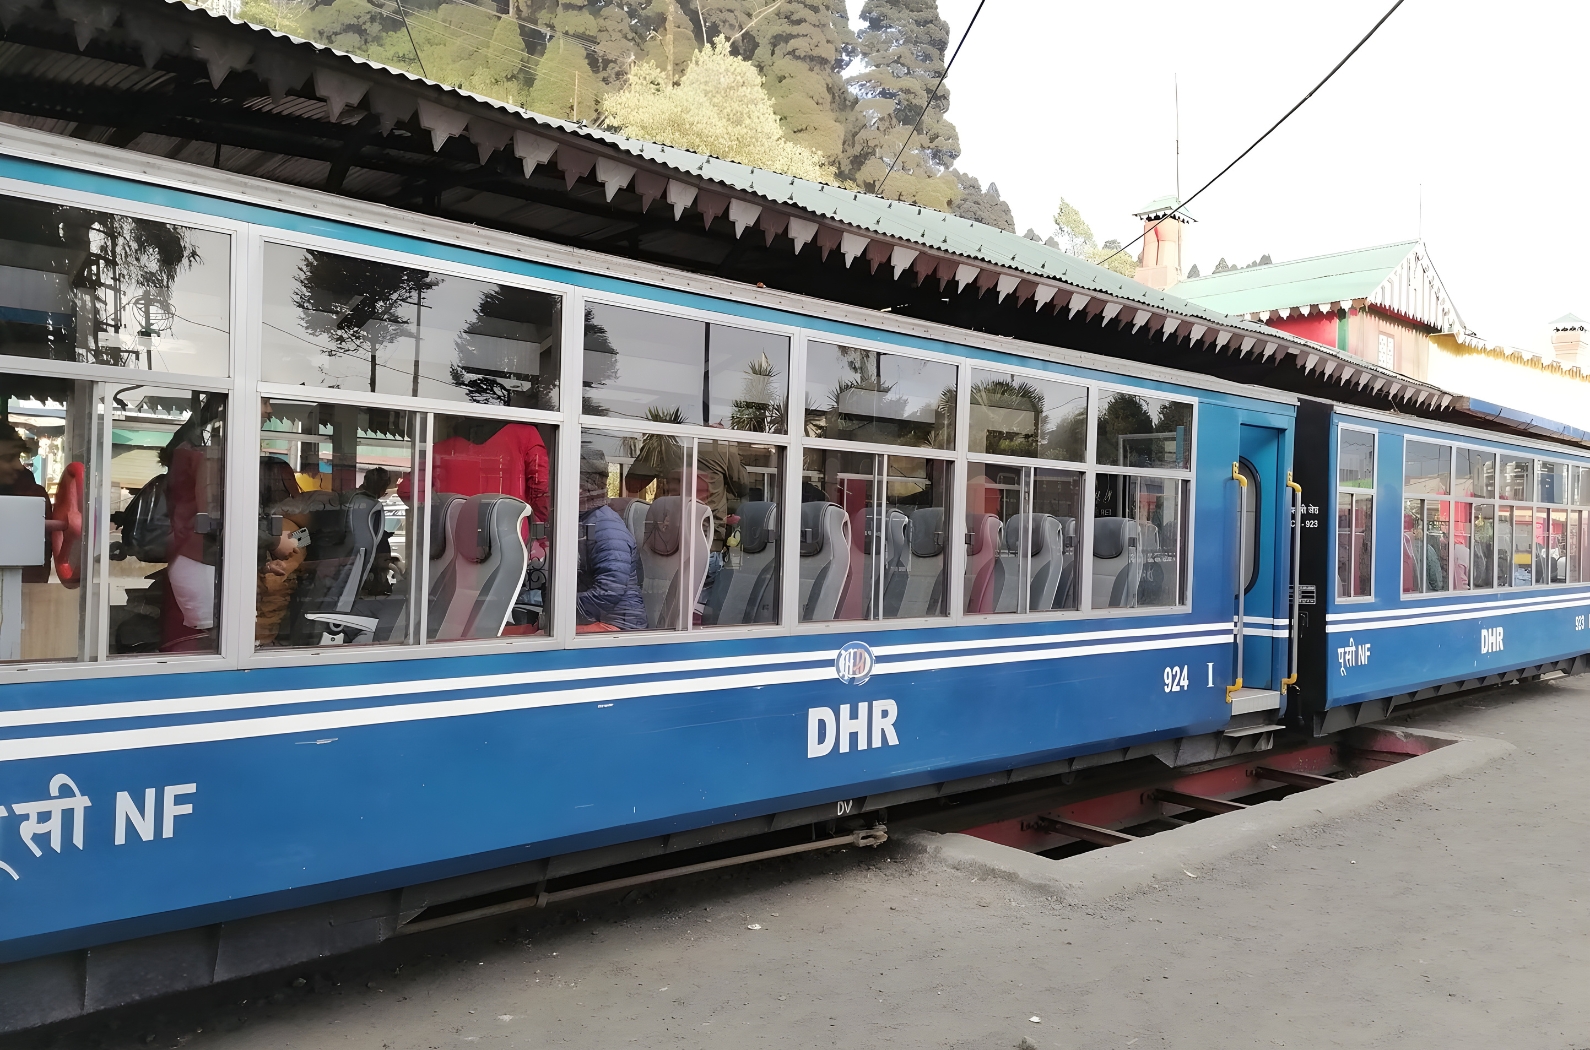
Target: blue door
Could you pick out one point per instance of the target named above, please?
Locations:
(1263, 519)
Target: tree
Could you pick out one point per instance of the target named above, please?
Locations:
(1112, 256)
(797, 46)
(284, 16)
(982, 205)
(1193, 273)
(1075, 235)
(719, 107)
(903, 45)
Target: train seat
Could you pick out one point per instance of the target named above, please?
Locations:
(825, 556)
(489, 561)
(345, 532)
(744, 591)
(1117, 562)
(983, 567)
(1047, 555)
(444, 508)
(917, 587)
(1065, 594)
(665, 560)
(634, 511)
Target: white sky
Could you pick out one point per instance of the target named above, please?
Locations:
(1480, 102)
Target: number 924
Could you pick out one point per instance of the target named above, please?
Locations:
(1176, 679)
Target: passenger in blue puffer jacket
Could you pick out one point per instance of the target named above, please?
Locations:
(608, 592)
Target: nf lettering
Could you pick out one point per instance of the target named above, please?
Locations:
(824, 729)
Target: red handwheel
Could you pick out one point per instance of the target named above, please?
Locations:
(66, 540)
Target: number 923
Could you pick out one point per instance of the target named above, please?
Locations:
(1176, 679)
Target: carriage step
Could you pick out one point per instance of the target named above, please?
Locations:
(1244, 701)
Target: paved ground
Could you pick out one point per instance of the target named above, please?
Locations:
(1457, 917)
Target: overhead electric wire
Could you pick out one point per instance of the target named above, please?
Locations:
(934, 95)
(404, 15)
(1323, 81)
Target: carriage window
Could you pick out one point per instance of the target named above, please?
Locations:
(336, 565)
(675, 370)
(1015, 415)
(1021, 538)
(874, 536)
(889, 399)
(1551, 482)
(1355, 513)
(46, 454)
(1581, 486)
(1426, 550)
(677, 533)
(344, 323)
(1517, 479)
(1139, 541)
(107, 289)
(1139, 431)
(1475, 474)
(489, 521)
(1427, 468)
(167, 465)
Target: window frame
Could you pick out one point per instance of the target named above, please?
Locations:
(1454, 442)
(244, 387)
(1373, 492)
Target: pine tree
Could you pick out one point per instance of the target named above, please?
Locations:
(903, 45)
(566, 84)
(719, 107)
(982, 205)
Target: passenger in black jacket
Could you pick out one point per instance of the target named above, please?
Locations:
(608, 596)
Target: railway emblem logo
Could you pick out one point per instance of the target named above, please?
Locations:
(854, 663)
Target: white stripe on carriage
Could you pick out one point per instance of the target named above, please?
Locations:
(332, 694)
(1427, 610)
(22, 748)
(1450, 615)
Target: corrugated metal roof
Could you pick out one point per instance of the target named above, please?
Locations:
(930, 242)
(1339, 277)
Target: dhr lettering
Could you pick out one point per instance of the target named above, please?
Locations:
(824, 729)
(1490, 640)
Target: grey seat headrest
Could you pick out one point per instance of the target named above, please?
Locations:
(439, 504)
(927, 532)
(475, 525)
(757, 525)
(812, 515)
(1111, 537)
(662, 526)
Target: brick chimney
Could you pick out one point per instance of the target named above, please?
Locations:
(1568, 342)
(1161, 264)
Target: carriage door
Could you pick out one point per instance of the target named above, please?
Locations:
(1264, 616)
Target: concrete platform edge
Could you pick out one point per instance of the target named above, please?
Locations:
(1106, 873)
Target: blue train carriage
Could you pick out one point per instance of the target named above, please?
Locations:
(1435, 558)
(338, 560)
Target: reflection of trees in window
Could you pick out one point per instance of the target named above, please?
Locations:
(600, 365)
(860, 377)
(493, 349)
(759, 407)
(1123, 415)
(361, 308)
(115, 272)
(1018, 397)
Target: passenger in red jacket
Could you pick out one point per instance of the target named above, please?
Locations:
(491, 456)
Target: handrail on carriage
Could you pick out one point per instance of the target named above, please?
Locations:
(1296, 593)
(1242, 550)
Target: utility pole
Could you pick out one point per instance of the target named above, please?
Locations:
(1176, 88)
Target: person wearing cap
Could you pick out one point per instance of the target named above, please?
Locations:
(607, 593)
